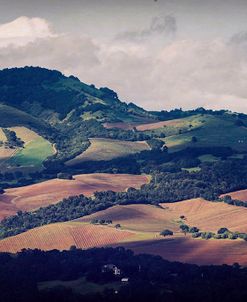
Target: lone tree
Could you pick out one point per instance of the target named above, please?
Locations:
(184, 228)
(166, 233)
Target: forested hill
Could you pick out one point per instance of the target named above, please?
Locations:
(72, 116)
(51, 95)
(62, 110)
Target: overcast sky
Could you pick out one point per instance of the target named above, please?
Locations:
(159, 54)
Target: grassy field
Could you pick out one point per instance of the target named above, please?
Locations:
(33, 154)
(140, 228)
(5, 154)
(192, 170)
(80, 286)
(2, 136)
(107, 149)
(208, 158)
(173, 126)
(42, 194)
(215, 131)
(36, 150)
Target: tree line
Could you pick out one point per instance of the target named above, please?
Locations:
(151, 278)
(209, 183)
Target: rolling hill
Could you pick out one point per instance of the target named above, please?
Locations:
(239, 195)
(64, 235)
(140, 228)
(70, 128)
(45, 93)
(42, 194)
(67, 113)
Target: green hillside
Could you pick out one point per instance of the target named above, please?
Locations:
(52, 96)
(221, 131)
(11, 116)
(66, 112)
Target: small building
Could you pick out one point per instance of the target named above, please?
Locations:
(125, 280)
(111, 268)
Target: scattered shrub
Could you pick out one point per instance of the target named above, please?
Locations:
(166, 233)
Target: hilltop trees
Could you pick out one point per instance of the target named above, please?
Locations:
(222, 231)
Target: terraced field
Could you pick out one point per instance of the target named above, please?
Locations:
(49, 192)
(107, 149)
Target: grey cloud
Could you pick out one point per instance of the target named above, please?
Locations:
(166, 25)
(182, 73)
(63, 52)
(239, 38)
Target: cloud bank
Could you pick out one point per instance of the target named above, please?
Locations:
(23, 30)
(150, 67)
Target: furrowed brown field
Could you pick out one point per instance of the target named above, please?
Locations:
(157, 125)
(209, 216)
(144, 218)
(144, 127)
(206, 215)
(49, 192)
(140, 228)
(195, 251)
(64, 235)
(240, 195)
(108, 149)
(120, 125)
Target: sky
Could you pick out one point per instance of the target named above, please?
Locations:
(160, 54)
